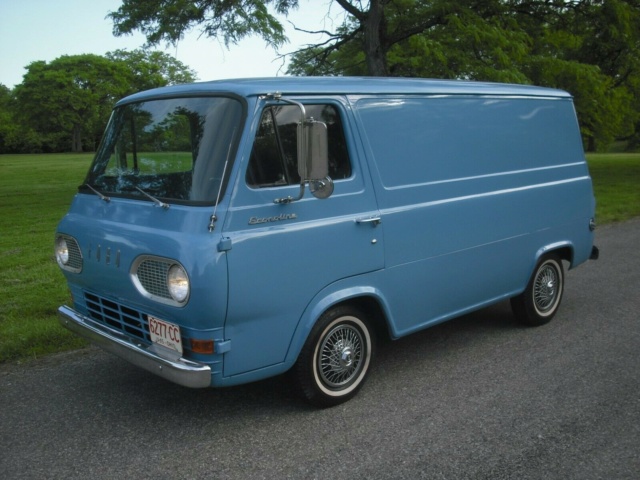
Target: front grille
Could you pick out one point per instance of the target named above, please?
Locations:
(152, 275)
(75, 256)
(114, 315)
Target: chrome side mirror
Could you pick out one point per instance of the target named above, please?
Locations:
(313, 159)
(313, 156)
(317, 160)
(321, 188)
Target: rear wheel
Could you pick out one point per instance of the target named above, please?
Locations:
(336, 358)
(540, 300)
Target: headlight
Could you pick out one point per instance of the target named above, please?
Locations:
(62, 251)
(161, 279)
(68, 254)
(178, 283)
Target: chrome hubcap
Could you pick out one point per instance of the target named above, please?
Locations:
(545, 291)
(341, 355)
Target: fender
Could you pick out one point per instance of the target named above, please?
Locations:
(336, 293)
(563, 244)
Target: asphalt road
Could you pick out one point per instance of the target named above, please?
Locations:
(479, 397)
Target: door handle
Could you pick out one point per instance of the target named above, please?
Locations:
(373, 221)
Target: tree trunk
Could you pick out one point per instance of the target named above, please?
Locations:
(375, 50)
(76, 139)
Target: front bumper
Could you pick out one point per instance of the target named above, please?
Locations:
(177, 370)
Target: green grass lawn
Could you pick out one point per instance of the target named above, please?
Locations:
(35, 192)
(616, 182)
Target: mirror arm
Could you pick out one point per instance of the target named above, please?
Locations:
(279, 98)
(290, 199)
(303, 117)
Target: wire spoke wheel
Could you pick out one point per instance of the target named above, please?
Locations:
(340, 357)
(545, 291)
(541, 298)
(336, 357)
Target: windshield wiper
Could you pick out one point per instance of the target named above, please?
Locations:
(154, 199)
(100, 195)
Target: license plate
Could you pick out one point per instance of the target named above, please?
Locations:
(165, 334)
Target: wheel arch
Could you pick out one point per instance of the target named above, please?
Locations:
(371, 307)
(564, 250)
(366, 299)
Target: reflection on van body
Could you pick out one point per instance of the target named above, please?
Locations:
(234, 230)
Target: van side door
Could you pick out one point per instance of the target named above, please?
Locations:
(282, 255)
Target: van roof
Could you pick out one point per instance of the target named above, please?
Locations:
(247, 87)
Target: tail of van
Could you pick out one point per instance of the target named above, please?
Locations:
(233, 230)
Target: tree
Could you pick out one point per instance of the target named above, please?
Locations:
(230, 20)
(464, 39)
(64, 105)
(66, 101)
(588, 47)
(612, 41)
(6, 118)
(14, 136)
(151, 69)
(592, 49)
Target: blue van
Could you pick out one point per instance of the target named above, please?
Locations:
(230, 231)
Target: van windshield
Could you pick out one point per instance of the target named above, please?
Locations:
(173, 149)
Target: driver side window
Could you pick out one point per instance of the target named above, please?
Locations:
(274, 159)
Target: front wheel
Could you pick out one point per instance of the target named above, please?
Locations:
(540, 301)
(336, 358)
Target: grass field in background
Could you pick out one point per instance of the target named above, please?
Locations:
(36, 190)
(616, 182)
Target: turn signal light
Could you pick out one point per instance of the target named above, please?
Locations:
(202, 346)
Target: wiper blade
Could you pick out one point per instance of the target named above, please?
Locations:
(100, 195)
(154, 199)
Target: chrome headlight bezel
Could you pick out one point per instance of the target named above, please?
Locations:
(161, 279)
(68, 254)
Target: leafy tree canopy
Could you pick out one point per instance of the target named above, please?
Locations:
(588, 47)
(67, 98)
(64, 105)
(6, 122)
(151, 69)
(229, 20)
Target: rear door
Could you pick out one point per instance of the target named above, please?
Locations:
(282, 255)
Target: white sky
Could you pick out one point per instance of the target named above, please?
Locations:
(32, 30)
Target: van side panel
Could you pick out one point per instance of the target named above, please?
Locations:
(471, 189)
